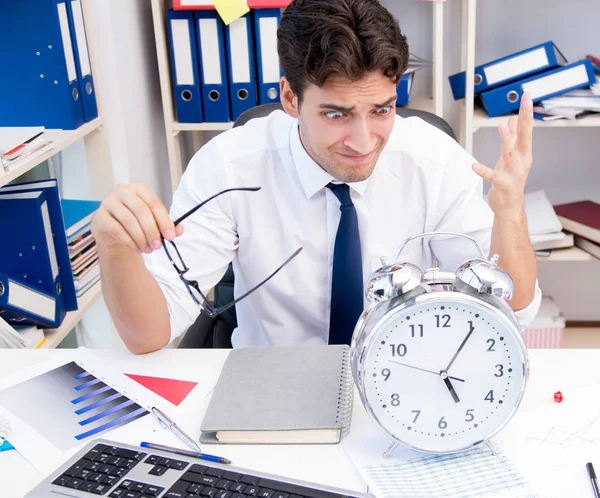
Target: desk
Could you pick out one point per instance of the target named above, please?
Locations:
(551, 370)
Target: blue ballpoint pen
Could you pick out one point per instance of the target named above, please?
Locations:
(177, 451)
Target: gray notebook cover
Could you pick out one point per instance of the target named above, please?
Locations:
(283, 388)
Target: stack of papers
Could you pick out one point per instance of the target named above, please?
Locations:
(572, 104)
(22, 142)
(545, 229)
(21, 337)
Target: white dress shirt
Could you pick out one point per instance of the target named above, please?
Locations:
(422, 182)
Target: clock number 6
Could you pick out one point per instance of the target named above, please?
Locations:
(442, 424)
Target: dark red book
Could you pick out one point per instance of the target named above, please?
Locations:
(582, 218)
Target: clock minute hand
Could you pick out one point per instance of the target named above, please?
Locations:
(423, 370)
(460, 347)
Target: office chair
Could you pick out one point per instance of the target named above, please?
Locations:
(208, 332)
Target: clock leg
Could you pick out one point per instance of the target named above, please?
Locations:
(390, 450)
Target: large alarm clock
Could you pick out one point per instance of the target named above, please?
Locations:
(438, 357)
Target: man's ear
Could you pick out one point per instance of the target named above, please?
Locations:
(289, 101)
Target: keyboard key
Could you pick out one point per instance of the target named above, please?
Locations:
(232, 476)
(119, 472)
(116, 460)
(126, 484)
(131, 494)
(158, 470)
(130, 454)
(87, 486)
(61, 480)
(98, 477)
(178, 490)
(251, 490)
(265, 493)
(195, 489)
(223, 484)
(250, 479)
(222, 494)
(129, 464)
(210, 492)
(118, 493)
(152, 490)
(74, 483)
(165, 462)
(75, 469)
(107, 469)
(95, 451)
(100, 489)
(178, 465)
(198, 469)
(152, 459)
(237, 487)
(110, 480)
(84, 474)
(215, 472)
(140, 487)
(94, 466)
(279, 494)
(111, 450)
(103, 458)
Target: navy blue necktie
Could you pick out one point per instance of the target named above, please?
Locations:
(347, 284)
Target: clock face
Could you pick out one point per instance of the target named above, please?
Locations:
(444, 374)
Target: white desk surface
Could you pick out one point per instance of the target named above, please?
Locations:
(574, 372)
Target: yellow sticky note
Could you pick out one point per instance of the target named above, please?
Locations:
(230, 10)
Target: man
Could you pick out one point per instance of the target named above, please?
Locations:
(341, 176)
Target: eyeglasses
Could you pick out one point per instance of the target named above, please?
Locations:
(192, 285)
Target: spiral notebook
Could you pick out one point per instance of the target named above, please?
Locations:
(281, 395)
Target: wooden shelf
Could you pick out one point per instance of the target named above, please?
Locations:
(176, 126)
(482, 120)
(55, 336)
(61, 138)
(563, 255)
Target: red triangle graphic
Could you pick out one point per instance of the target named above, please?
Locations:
(174, 391)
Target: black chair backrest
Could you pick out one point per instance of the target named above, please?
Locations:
(216, 333)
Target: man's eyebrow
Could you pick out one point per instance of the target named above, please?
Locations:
(337, 107)
(388, 101)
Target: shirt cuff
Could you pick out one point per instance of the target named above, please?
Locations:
(527, 314)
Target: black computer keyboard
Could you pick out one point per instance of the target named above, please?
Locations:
(122, 471)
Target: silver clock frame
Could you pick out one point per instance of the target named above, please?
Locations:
(400, 286)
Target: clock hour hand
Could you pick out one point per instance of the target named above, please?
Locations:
(449, 385)
(462, 344)
(423, 370)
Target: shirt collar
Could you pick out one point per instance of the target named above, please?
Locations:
(312, 177)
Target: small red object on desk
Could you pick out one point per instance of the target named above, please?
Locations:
(558, 397)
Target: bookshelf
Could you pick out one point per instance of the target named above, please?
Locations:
(95, 138)
(175, 131)
(474, 117)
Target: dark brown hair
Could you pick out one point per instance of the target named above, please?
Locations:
(318, 39)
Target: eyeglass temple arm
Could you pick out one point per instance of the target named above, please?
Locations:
(218, 311)
(183, 217)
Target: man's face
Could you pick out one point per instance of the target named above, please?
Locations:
(345, 124)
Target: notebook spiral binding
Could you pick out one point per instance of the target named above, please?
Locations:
(346, 396)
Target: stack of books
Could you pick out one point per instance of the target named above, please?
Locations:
(582, 218)
(83, 253)
(542, 71)
(545, 229)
